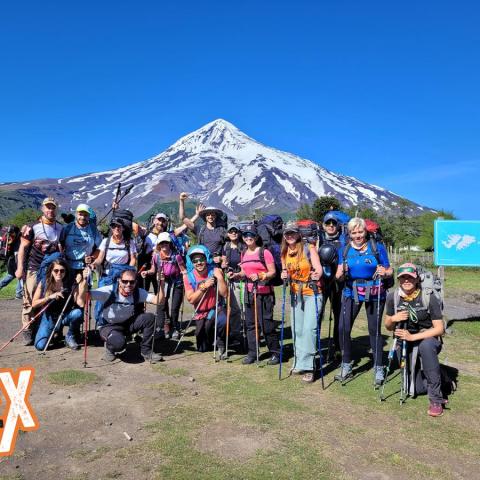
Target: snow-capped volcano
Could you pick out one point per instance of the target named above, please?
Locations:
(221, 166)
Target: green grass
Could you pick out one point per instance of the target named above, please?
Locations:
(9, 290)
(69, 378)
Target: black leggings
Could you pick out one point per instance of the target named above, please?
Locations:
(167, 314)
(266, 324)
(349, 313)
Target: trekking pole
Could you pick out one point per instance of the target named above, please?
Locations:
(115, 201)
(329, 348)
(403, 367)
(319, 323)
(282, 327)
(86, 328)
(155, 322)
(26, 325)
(216, 324)
(191, 320)
(256, 319)
(242, 316)
(377, 333)
(229, 308)
(391, 354)
(59, 319)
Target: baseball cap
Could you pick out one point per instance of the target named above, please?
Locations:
(161, 215)
(330, 216)
(250, 229)
(49, 201)
(196, 251)
(164, 237)
(83, 207)
(232, 226)
(291, 227)
(407, 269)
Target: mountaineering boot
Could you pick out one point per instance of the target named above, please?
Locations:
(274, 360)
(379, 376)
(435, 409)
(221, 353)
(344, 373)
(155, 357)
(71, 342)
(109, 356)
(27, 338)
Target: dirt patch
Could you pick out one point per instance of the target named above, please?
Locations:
(233, 442)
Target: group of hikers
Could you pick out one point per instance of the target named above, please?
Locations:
(229, 276)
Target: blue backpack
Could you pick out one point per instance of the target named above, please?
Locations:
(191, 268)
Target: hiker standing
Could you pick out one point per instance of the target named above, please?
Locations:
(10, 251)
(204, 285)
(258, 268)
(116, 253)
(332, 288)
(123, 314)
(80, 240)
(56, 288)
(362, 264)
(303, 270)
(212, 235)
(165, 261)
(37, 240)
(416, 317)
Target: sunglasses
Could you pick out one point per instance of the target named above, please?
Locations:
(331, 222)
(233, 231)
(198, 260)
(58, 270)
(406, 270)
(115, 225)
(127, 282)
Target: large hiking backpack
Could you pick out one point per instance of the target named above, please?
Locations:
(190, 267)
(242, 224)
(308, 230)
(342, 219)
(270, 231)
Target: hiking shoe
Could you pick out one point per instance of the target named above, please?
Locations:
(435, 409)
(27, 338)
(308, 377)
(175, 335)
(379, 376)
(109, 356)
(153, 357)
(273, 361)
(344, 373)
(248, 360)
(221, 353)
(71, 342)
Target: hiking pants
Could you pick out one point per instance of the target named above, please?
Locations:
(29, 286)
(333, 294)
(304, 329)
(266, 324)
(205, 330)
(114, 335)
(169, 311)
(73, 320)
(428, 378)
(349, 313)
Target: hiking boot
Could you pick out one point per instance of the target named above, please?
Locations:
(109, 356)
(248, 360)
(175, 335)
(27, 338)
(344, 373)
(435, 409)
(379, 376)
(71, 342)
(153, 357)
(166, 330)
(274, 360)
(221, 353)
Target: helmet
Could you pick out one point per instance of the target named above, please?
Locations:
(328, 254)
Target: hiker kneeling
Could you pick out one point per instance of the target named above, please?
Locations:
(416, 317)
(63, 301)
(204, 284)
(123, 314)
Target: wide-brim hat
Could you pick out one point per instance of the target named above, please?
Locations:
(208, 210)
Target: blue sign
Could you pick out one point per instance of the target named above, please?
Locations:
(457, 243)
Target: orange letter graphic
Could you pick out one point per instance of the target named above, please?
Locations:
(18, 413)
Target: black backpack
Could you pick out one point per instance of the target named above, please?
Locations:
(125, 218)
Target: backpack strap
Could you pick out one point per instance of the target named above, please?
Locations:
(201, 234)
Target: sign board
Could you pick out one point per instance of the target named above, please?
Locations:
(457, 243)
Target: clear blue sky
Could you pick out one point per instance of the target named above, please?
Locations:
(385, 91)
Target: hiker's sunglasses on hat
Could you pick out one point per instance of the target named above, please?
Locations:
(407, 271)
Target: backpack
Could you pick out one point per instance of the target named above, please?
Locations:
(190, 267)
(342, 219)
(308, 230)
(374, 230)
(138, 307)
(241, 225)
(270, 230)
(127, 248)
